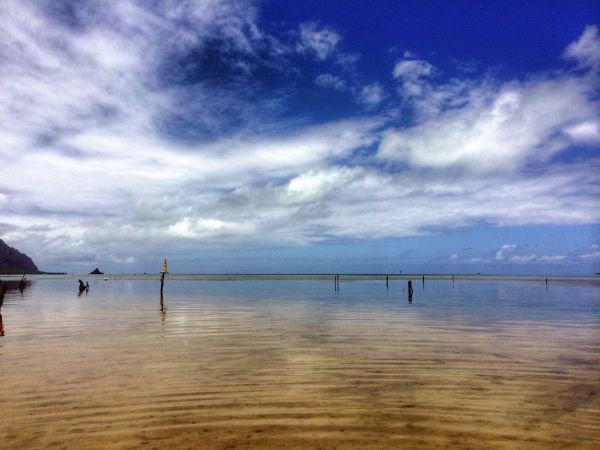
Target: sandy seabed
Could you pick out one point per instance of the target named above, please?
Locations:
(295, 365)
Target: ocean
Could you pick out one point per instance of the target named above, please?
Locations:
(275, 361)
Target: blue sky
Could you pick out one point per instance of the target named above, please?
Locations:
(317, 136)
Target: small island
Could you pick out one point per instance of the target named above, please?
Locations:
(96, 271)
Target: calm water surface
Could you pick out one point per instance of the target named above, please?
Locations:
(293, 364)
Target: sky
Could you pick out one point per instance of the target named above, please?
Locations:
(288, 137)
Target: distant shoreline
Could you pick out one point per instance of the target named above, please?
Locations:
(344, 277)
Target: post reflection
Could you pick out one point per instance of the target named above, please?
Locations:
(1, 326)
(163, 311)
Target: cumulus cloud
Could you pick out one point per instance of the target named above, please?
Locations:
(413, 75)
(321, 42)
(586, 50)
(506, 248)
(412, 69)
(341, 201)
(372, 94)
(488, 126)
(585, 132)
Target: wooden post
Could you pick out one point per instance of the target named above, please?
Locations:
(163, 272)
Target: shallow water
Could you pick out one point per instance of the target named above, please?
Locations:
(273, 364)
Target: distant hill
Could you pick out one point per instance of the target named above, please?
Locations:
(13, 261)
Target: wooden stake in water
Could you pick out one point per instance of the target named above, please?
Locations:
(163, 272)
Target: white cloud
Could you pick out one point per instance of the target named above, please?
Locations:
(522, 259)
(203, 228)
(496, 127)
(310, 205)
(330, 81)
(506, 248)
(372, 94)
(314, 185)
(412, 69)
(454, 257)
(339, 201)
(529, 259)
(586, 50)
(585, 132)
(126, 260)
(486, 125)
(477, 259)
(554, 258)
(321, 42)
(592, 253)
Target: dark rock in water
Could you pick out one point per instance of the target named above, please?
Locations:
(13, 261)
(96, 271)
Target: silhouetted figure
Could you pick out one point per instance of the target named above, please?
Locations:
(546, 281)
(387, 281)
(87, 286)
(22, 284)
(81, 286)
(423, 280)
(410, 291)
(1, 326)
